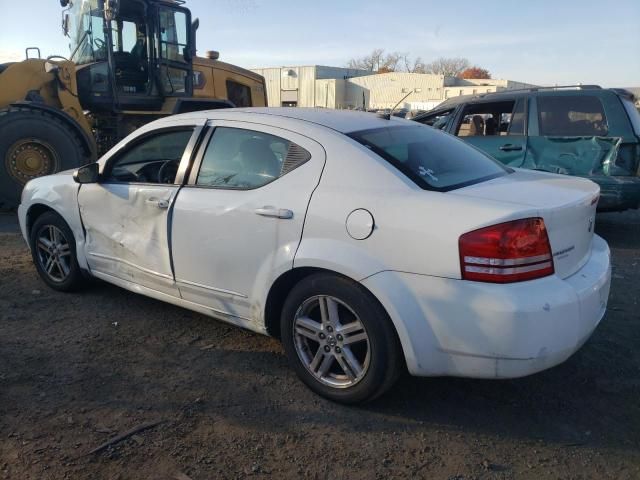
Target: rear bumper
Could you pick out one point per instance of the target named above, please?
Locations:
(618, 193)
(471, 329)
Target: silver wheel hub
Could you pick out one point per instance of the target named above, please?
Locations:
(53, 253)
(331, 341)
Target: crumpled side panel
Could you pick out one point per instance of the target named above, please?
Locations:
(126, 232)
(584, 156)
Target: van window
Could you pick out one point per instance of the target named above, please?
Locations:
(571, 116)
(492, 119)
(436, 120)
(633, 113)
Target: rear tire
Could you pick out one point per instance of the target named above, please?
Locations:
(339, 339)
(53, 249)
(33, 143)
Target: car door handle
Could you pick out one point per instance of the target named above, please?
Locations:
(156, 202)
(274, 212)
(510, 147)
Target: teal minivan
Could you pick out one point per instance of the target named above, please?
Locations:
(586, 131)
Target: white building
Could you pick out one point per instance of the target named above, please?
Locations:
(335, 87)
(306, 86)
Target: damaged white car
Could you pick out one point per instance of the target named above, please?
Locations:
(366, 244)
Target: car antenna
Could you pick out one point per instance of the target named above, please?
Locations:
(387, 116)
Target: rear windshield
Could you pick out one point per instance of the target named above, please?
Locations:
(433, 160)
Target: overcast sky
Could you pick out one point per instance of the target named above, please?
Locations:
(543, 42)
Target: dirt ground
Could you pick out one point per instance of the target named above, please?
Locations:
(78, 369)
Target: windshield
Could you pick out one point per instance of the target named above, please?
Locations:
(633, 113)
(432, 159)
(86, 31)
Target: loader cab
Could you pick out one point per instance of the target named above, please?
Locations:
(132, 55)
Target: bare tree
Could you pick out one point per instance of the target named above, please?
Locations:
(378, 61)
(371, 62)
(412, 66)
(391, 62)
(450, 67)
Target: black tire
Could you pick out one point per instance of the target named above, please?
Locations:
(56, 145)
(74, 279)
(385, 352)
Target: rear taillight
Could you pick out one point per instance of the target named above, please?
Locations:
(507, 252)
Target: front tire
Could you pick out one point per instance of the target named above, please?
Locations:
(53, 248)
(339, 339)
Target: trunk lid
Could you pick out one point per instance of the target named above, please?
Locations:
(567, 205)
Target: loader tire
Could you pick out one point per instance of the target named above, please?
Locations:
(33, 143)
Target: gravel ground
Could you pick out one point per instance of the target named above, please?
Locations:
(76, 370)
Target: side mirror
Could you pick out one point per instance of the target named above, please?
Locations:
(87, 174)
(187, 54)
(194, 28)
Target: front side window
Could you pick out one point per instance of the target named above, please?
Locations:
(436, 120)
(86, 32)
(127, 37)
(173, 34)
(245, 159)
(154, 159)
(492, 119)
(238, 94)
(433, 160)
(571, 116)
(173, 46)
(174, 80)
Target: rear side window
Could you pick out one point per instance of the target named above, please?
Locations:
(432, 159)
(571, 116)
(238, 94)
(246, 159)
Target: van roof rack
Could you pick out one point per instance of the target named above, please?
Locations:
(554, 87)
(534, 89)
(458, 99)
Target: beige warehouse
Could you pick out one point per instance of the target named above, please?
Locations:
(345, 88)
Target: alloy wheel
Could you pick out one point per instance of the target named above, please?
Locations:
(331, 341)
(53, 253)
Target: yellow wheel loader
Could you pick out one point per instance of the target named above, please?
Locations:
(132, 61)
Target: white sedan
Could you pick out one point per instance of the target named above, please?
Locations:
(367, 245)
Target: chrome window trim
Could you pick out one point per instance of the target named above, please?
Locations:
(187, 155)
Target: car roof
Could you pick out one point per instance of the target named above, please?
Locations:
(344, 121)
(509, 94)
